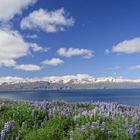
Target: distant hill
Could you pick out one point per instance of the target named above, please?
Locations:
(78, 81)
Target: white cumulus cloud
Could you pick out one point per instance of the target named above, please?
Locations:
(53, 62)
(48, 21)
(13, 46)
(128, 46)
(28, 67)
(10, 8)
(69, 52)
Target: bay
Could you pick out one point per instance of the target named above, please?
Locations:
(122, 96)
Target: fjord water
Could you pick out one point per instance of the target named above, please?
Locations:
(123, 96)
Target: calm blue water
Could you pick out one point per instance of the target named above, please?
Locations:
(124, 96)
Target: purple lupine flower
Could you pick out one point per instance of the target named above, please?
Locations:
(109, 133)
(8, 126)
(3, 135)
(103, 124)
(102, 130)
(126, 122)
(12, 123)
(34, 126)
(12, 138)
(2, 120)
(131, 132)
(94, 124)
(92, 135)
(42, 124)
(82, 129)
(92, 138)
(71, 135)
(17, 138)
(136, 132)
(23, 125)
(33, 113)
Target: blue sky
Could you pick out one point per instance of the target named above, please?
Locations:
(97, 37)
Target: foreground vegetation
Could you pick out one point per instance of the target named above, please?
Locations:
(30, 120)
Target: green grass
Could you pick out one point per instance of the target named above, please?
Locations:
(47, 124)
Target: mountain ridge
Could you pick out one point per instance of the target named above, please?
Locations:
(83, 81)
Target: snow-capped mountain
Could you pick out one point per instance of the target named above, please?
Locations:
(66, 82)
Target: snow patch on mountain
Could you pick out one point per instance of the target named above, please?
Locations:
(75, 79)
